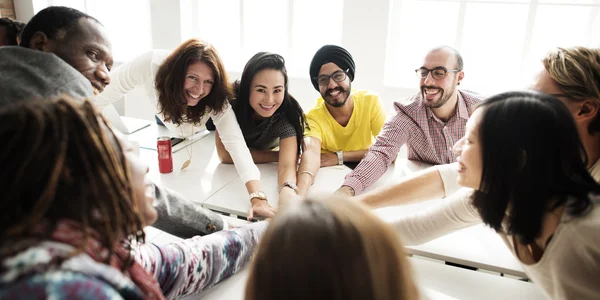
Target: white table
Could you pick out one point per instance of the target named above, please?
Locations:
(202, 178)
(233, 199)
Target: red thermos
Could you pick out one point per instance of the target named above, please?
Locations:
(165, 156)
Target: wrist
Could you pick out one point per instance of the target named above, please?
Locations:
(340, 157)
(257, 201)
(348, 190)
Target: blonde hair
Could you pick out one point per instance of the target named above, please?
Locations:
(576, 70)
(330, 249)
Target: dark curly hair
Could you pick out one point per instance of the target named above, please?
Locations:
(171, 76)
(56, 22)
(62, 161)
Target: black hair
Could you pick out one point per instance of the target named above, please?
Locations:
(56, 22)
(13, 30)
(533, 162)
(290, 108)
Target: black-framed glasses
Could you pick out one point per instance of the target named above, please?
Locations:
(337, 76)
(437, 73)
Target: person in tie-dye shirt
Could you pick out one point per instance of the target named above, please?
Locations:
(75, 202)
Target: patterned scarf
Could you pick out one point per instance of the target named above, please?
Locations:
(71, 233)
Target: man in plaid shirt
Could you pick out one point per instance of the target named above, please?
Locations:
(430, 122)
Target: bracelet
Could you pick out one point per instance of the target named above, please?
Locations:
(309, 173)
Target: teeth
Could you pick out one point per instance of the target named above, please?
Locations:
(193, 95)
(96, 92)
(431, 91)
(267, 107)
(334, 93)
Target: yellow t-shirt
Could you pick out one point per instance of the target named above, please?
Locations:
(365, 123)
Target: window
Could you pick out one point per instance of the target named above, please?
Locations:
(241, 28)
(502, 41)
(128, 26)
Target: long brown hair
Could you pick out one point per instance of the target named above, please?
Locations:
(331, 249)
(171, 75)
(61, 161)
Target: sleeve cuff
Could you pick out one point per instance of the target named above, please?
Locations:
(355, 184)
(449, 176)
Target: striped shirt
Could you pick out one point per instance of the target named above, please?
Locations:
(428, 138)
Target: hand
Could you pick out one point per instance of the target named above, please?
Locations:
(261, 208)
(329, 159)
(345, 191)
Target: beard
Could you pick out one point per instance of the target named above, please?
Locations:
(443, 96)
(344, 94)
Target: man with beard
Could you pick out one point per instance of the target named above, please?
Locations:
(344, 123)
(430, 122)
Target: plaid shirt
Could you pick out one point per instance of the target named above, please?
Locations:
(428, 138)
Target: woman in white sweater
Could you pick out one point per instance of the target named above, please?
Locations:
(522, 168)
(188, 86)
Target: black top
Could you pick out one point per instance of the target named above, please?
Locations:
(268, 132)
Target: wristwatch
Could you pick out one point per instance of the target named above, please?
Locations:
(260, 195)
(340, 155)
(291, 185)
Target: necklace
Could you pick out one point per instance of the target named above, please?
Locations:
(189, 151)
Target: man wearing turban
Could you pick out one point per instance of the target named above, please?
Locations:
(344, 122)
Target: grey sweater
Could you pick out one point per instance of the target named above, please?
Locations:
(27, 75)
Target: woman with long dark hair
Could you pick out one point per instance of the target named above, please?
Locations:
(523, 158)
(269, 117)
(188, 86)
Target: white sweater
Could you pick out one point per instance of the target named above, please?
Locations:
(141, 71)
(570, 265)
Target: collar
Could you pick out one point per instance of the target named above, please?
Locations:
(461, 110)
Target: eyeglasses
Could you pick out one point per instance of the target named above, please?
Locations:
(337, 76)
(437, 73)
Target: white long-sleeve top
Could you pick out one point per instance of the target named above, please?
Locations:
(570, 265)
(141, 71)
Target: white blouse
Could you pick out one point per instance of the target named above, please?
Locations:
(141, 71)
(570, 265)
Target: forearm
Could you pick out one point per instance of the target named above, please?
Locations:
(195, 264)
(423, 185)
(309, 165)
(354, 156)
(264, 156)
(447, 216)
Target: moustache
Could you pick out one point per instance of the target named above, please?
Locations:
(334, 89)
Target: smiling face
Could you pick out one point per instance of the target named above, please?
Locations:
(143, 189)
(88, 50)
(334, 93)
(266, 92)
(199, 80)
(468, 152)
(437, 92)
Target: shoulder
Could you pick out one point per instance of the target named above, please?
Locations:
(409, 105)
(471, 98)
(60, 285)
(318, 111)
(28, 74)
(365, 95)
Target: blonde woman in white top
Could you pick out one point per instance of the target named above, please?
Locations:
(187, 87)
(525, 178)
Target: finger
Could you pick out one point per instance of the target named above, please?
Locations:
(250, 214)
